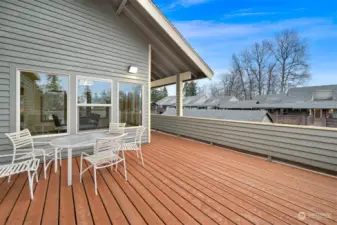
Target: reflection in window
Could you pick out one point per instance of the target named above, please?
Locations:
(93, 118)
(94, 104)
(130, 104)
(93, 92)
(43, 103)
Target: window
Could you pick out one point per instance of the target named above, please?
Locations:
(93, 104)
(43, 103)
(130, 104)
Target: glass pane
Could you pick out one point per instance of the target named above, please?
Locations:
(130, 104)
(43, 103)
(93, 118)
(93, 92)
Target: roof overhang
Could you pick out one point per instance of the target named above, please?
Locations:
(175, 35)
(171, 54)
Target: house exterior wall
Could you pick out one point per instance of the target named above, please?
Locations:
(72, 37)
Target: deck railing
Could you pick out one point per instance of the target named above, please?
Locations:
(312, 146)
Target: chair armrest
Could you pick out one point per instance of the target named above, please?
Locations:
(19, 154)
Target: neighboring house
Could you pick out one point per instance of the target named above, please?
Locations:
(238, 115)
(247, 104)
(315, 105)
(69, 66)
(201, 102)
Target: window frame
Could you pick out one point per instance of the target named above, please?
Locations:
(79, 77)
(18, 105)
(143, 98)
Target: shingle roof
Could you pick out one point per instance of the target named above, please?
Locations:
(167, 101)
(241, 115)
(215, 101)
(299, 98)
(306, 93)
(247, 104)
(300, 105)
(196, 101)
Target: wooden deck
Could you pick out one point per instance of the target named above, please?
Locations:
(183, 182)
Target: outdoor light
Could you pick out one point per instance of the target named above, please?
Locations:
(133, 69)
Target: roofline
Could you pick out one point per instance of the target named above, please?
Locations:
(176, 36)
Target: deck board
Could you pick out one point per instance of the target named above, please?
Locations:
(182, 182)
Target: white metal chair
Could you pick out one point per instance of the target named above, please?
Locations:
(28, 163)
(24, 144)
(106, 154)
(116, 128)
(133, 140)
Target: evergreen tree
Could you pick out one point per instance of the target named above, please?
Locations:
(190, 88)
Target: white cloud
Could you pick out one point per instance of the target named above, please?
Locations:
(186, 3)
(201, 29)
(242, 14)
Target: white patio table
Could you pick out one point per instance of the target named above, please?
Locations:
(76, 141)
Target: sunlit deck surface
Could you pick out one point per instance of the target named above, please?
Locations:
(183, 182)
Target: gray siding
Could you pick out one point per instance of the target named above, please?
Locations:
(69, 37)
(312, 146)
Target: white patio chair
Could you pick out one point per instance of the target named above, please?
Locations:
(116, 128)
(23, 143)
(28, 163)
(133, 140)
(106, 154)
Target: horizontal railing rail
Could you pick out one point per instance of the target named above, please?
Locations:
(313, 146)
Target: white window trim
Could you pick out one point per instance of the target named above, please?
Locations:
(78, 77)
(18, 100)
(143, 98)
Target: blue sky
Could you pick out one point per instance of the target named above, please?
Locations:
(218, 28)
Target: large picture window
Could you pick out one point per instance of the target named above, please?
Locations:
(93, 104)
(130, 104)
(43, 102)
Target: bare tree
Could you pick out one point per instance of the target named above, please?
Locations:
(214, 90)
(258, 58)
(238, 70)
(271, 79)
(291, 54)
(231, 85)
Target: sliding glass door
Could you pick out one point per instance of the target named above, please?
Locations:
(131, 104)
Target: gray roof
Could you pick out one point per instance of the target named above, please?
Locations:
(247, 104)
(300, 105)
(240, 115)
(167, 101)
(194, 101)
(215, 101)
(306, 93)
(314, 97)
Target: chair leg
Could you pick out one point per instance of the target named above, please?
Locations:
(141, 156)
(125, 172)
(137, 154)
(44, 166)
(55, 162)
(30, 183)
(116, 167)
(9, 179)
(81, 168)
(95, 179)
(60, 157)
(36, 177)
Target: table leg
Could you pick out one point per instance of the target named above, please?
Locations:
(70, 173)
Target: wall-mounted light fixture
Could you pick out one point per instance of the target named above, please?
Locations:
(133, 69)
